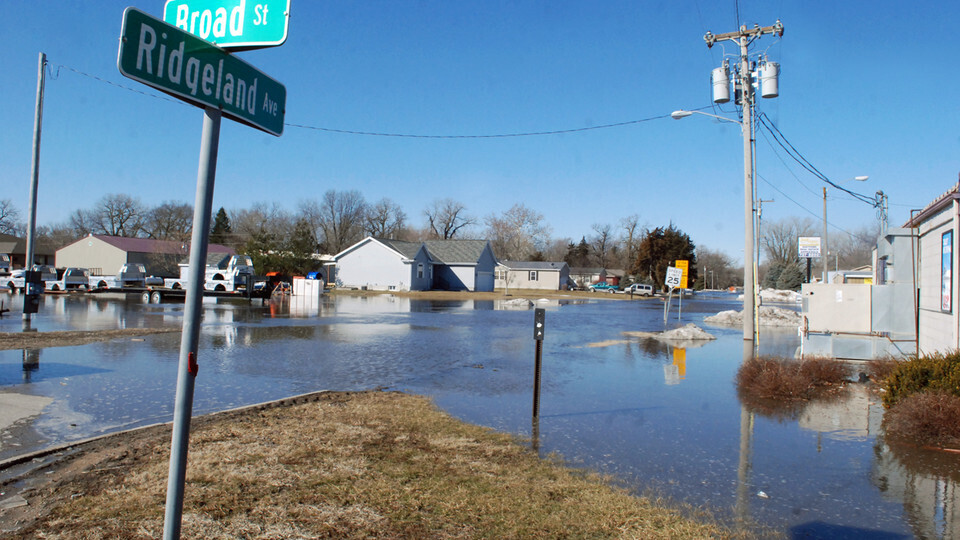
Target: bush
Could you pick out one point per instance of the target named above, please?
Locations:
(789, 379)
(926, 418)
(924, 373)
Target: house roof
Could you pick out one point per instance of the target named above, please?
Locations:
(935, 207)
(407, 249)
(11, 244)
(534, 265)
(150, 245)
(456, 251)
(442, 251)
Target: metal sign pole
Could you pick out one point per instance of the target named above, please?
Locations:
(187, 367)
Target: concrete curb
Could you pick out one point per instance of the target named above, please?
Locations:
(67, 447)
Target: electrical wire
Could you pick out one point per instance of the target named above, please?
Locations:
(400, 135)
(798, 157)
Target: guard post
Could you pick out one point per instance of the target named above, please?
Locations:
(539, 316)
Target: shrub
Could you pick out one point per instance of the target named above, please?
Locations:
(929, 418)
(878, 369)
(930, 372)
(789, 379)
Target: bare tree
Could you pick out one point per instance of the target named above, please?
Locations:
(631, 234)
(81, 221)
(779, 239)
(602, 243)
(59, 235)
(268, 223)
(170, 221)
(718, 269)
(385, 219)
(9, 216)
(518, 234)
(118, 215)
(447, 218)
(339, 218)
(856, 248)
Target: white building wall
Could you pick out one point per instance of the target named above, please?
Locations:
(374, 266)
(92, 253)
(938, 329)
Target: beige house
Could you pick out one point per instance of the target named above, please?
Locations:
(549, 276)
(104, 255)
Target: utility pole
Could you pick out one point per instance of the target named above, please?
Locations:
(743, 37)
(34, 186)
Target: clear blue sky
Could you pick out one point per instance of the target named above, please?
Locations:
(866, 88)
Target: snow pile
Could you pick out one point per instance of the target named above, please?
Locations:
(769, 316)
(516, 303)
(690, 332)
(777, 295)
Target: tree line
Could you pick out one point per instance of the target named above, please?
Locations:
(287, 241)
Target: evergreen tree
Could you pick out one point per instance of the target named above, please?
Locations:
(661, 248)
(220, 232)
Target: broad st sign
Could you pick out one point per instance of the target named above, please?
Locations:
(232, 24)
(189, 68)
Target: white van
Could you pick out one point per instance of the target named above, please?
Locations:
(640, 289)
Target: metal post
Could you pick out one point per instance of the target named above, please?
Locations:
(746, 87)
(539, 321)
(823, 246)
(187, 367)
(34, 178)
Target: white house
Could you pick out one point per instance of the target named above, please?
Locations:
(394, 265)
(938, 315)
(550, 276)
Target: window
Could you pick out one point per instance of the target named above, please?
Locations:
(946, 271)
(533, 275)
(419, 270)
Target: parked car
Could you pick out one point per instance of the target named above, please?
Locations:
(640, 289)
(603, 286)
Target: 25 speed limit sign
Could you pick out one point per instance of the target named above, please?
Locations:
(674, 276)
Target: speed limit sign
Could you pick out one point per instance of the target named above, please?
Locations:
(674, 276)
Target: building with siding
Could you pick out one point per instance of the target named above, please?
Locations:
(938, 316)
(394, 265)
(541, 275)
(16, 249)
(104, 255)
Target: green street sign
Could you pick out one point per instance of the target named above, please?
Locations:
(232, 24)
(186, 67)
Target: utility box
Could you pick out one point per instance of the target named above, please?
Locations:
(837, 307)
(312, 288)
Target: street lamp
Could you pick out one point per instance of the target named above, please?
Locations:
(823, 254)
(749, 299)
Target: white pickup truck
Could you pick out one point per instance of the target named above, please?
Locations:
(230, 274)
(130, 275)
(16, 280)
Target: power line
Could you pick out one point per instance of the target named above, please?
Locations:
(400, 135)
(798, 157)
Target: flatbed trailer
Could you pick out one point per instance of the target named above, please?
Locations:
(156, 295)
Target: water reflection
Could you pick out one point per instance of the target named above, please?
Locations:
(657, 416)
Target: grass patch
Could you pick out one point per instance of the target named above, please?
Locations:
(367, 465)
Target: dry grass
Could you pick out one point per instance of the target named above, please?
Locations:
(368, 465)
(926, 418)
(878, 369)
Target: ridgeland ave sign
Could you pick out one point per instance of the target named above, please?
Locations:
(232, 24)
(189, 68)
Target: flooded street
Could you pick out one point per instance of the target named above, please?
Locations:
(663, 421)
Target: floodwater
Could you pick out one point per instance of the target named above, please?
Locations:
(662, 421)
